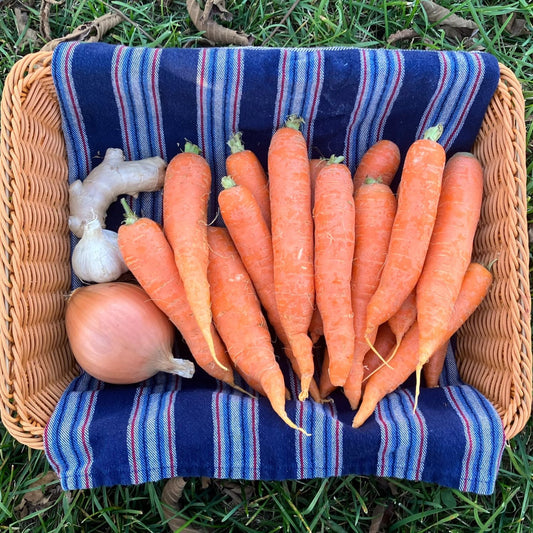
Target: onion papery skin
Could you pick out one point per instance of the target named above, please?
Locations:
(118, 335)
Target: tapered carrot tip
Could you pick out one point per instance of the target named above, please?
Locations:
(417, 387)
(211, 345)
(305, 383)
(362, 415)
(241, 390)
(315, 393)
(354, 400)
(283, 415)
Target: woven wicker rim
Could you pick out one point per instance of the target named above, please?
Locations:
(494, 347)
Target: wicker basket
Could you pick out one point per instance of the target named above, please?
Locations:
(494, 347)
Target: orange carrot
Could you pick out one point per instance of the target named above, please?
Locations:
(315, 166)
(381, 160)
(418, 198)
(384, 345)
(245, 169)
(324, 385)
(249, 232)
(475, 285)
(450, 250)
(375, 207)
(185, 196)
(292, 241)
(313, 386)
(150, 259)
(403, 319)
(334, 217)
(316, 328)
(433, 368)
(240, 322)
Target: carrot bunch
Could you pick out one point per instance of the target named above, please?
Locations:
(430, 286)
(312, 252)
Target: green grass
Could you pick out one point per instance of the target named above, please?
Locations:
(344, 504)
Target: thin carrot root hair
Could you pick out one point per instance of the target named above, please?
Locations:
(243, 391)
(373, 348)
(277, 400)
(285, 417)
(388, 360)
(394, 350)
(206, 332)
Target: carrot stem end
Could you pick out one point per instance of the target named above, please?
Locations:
(227, 182)
(191, 148)
(235, 143)
(434, 133)
(129, 216)
(294, 122)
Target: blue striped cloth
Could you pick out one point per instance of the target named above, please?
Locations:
(148, 102)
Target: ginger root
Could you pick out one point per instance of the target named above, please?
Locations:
(114, 176)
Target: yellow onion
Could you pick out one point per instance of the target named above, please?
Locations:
(118, 335)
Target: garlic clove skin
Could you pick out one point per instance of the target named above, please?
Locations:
(97, 257)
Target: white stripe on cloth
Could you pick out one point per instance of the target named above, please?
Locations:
(236, 454)
(403, 437)
(77, 144)
(386, 81)
(459, 83)
(481, 437)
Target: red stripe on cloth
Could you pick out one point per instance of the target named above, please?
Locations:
(157, 51)
(316, 93)
(218, 432)
(442, 83)
(169, 426)
(282, 88)
(385, 441)
(46, 440)
(466, 425)
(202, 96)
(84, 438)
(394, 89)
(337, 445)
(120, 50)
(301, 443)
(237, 92)
(132, 435)
(422, 437)
(254, 440)
(466, 107)
(360, 99)
(79, 121)
(121, 100)
(337, 448)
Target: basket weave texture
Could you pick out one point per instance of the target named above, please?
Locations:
(493, 347)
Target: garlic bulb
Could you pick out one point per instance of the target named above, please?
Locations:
(97, 257)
